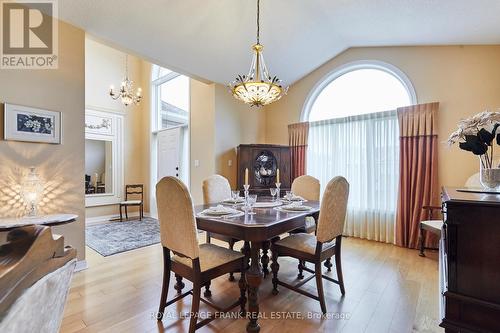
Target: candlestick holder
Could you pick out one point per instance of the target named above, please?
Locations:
(278, 185)
(246, 187)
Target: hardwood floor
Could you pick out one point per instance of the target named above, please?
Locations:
(388, 289)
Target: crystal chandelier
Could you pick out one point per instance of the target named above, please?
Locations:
(258, 87)
(126, 92)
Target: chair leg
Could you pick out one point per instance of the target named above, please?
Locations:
(422, 254)
(300, 266)
(275, 268)
(207, 292)
(319, 285)
(121, 215)
(195, 307)
(243, 290)
(179, 285)
(166, 282)
(328, 264)
(208, 239)
(140, 212)
(338, 263)
(231, 246)
(126, 212)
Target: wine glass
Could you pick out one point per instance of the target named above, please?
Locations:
(273, 191)
(252, 199)
(235, 195)
(289, 195)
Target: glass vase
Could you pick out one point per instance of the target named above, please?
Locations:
(489, 177)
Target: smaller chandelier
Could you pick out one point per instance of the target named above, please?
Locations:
(126, 92)
(258, 87)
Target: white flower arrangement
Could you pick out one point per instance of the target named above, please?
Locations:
(477, 135)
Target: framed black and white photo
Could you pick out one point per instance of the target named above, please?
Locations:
(23, 123)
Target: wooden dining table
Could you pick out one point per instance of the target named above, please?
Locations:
(257, 231)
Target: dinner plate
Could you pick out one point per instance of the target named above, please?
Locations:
(233, 202)
(295, 209)
(267, 204)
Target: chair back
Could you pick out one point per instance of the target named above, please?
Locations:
(307, 187)
(333, 210)
(134, 190)
(176, 215)
(215, 189)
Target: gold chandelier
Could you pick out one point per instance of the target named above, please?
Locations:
(126, 92)
(258, 87)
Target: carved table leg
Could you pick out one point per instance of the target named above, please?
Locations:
(265, 258)
(179, 285)
(254, 279)
(207, 292)
(246, 251)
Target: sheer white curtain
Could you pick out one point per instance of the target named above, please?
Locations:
(365, 150)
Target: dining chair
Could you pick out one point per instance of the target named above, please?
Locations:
(317, 248)
(430, 224)
(135, 191)
(216, 189)
(308, 188)
(186, 258)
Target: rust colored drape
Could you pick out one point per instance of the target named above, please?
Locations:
(418, 182)
(297, 140)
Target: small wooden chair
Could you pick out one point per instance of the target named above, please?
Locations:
(431, 225)
(316, 249)
(197, 263)
(134, 190)
(216, 188)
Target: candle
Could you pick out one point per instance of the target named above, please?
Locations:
(246, 176)
(277, 175)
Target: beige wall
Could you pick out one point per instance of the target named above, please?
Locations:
(202, 135)
(105, 66)
(464, 79)
(235, 123)
(60, 166)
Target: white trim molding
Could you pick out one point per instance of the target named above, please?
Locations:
(110, 218)
(352, 66)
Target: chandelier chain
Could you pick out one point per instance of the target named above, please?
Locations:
(258, 21)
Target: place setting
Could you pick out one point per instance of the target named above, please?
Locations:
(220, 211)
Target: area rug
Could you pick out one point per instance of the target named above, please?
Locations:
(116, 237)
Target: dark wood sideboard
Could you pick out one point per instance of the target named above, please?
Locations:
(262, 160)
(469, 262)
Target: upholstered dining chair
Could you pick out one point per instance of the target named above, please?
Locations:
(317, 248)
(308, 188)
(216, 188)
(183, 256)
(135, 190)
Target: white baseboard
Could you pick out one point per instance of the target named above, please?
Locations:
(107, 218)
(81, 265)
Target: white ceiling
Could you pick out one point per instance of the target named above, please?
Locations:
(211, 39)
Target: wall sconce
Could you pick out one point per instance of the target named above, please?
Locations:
(31, 189)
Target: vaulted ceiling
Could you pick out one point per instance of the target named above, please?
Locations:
(211, 39)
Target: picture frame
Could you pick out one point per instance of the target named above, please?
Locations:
(24, 123)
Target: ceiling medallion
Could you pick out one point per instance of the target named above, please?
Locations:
(126, 92)
(258, 87)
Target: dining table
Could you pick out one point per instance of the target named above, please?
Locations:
(257, 231)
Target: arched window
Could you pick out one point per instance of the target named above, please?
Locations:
(354, 133)
(359, 88)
